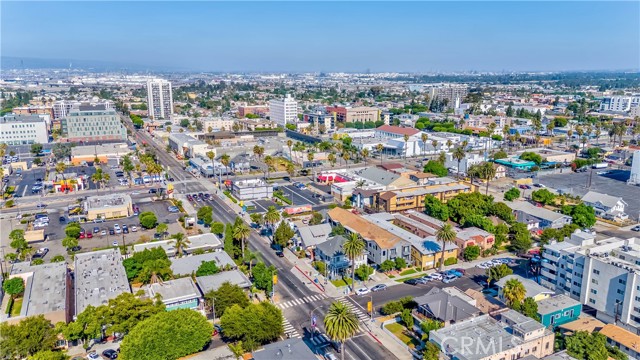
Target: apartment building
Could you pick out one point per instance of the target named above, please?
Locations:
(604, 275)
(508, 336)
(320, 119)
(62, 108)
(354, 114)
(453, 94)
(260, 110)
(159, 99)
(23, 129)
(412, 198)
(619, 103)
(93, 123)
(252, 189)
(99, 276)
(217, 124)
(283, 111)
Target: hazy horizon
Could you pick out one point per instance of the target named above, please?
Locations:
(418, 37)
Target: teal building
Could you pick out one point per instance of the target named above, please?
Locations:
(558, 310)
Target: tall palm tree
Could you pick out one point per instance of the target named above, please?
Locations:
(105, 179)
(249, 256)
(225, 159)
(290, 168)
(458, 154)
(406, 147)
(211, 155)
(269, 162)
(424, 137)
(332, 159)
(346, 157)
(272, 216)
(97, 178)
(434, 143)
(180, 243)
(487, 172)
(513, 292)
(289, 145)
(353, 247)
(380, 148)
(365, 153)
(445, 234)
(340, 323)
(241, 233)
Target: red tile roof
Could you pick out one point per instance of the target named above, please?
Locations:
(398, 130)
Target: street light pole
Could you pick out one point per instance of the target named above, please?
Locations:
(314, 320)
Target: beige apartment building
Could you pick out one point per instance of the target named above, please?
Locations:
(354, 114)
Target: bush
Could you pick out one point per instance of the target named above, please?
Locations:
(387, 265)
(148, 220)
(450, 261)
(393, 307)
(435, 168)
(512, 194)
(320, 266)
(471, 252)
(363, 272)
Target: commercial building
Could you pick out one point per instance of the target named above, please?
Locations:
(354, 114)
(619, 103)
(251, 189)
(159, 99)
(176, 294)
(510, 335)
(260, 110)
(532, 289)
(187, 146)
(217, 124)
(93, 123)
(256, 124)
(553, 156)
(99, 277)
(103, 152)
(47, 291)
(320, 120)
(213, 282)
(634, 178)
(108, 206)
(283, 111)
(61, 108)
(23, 129)
(558, 310)
(204, 242)
(188, 265)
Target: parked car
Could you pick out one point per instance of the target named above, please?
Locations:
(96, 230)
(111, 232)
(412, 281)
(117, 228)
(75, 248)
(173, 209)
(115, 243)
(461, 271)
(363, 291)
(449, 278)
(454, 272)
(636, 228)
(379, 287)
(330, 356)
(94, 356)
(40, 253)
(103, 232)
(110, 354)
(89, 235)
(436, 276)
(134, 228)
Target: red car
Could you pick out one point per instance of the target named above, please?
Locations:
(81, 236)
(89, 235)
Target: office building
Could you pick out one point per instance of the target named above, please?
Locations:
(634, 178)
(320, 120)
(259, 110)
(23, 129)
(99, 277)
(354, 114)
(558, 310)
(159, 99)
(104, 152)
(187, 146)
(62, 108)
(108, 206)
(604, 275)
(619, 103)
(283, 111)
(211, 124)
(252, 189)
(176, 294)
(93, 123)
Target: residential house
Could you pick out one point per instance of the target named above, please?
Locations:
(412, 198)
(388, 179)
(213, 282)
(558, 310)
(381, 245)
(180, 293)
(205, 242)
(501, 171)
(474, 236)
(606, 206)
(313, 235)
(188, 265)
(486, 304)
(332, 254)
(533, 290)
(626, 341)
(289, 349)
(524, 211)
(448, 305)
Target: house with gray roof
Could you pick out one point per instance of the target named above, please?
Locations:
(449, 305)
(99, 276)
(605, 204)
(331, 253)
(213, 282)
(379, 176)
(188, 265)
(205, 242)
(524, 210)
(313, 235)
(179, 293)
(289, 349)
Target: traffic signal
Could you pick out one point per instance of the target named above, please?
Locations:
(369, 306)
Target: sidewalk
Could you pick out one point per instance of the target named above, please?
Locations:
(303, 270)
(384, 339)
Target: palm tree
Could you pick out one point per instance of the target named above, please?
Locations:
(365, 153)
(458, 154)
(258, 151)
(424, 137)
(269, 162)
(225, 159)
(105, 179)
(487, 172)
(406, 147)
(272, 216)
(445, 234)
(241, 233)
(345, 157)
(289, 144)
(434, 143)
(353, 247)
(97, 178)
(340, 323)
(513, 292)
(291, 169)
(211, 155)
(180, 243)
(380, 148)
(249, 256)
(332, 159)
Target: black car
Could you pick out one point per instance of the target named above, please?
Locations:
(62, 219)
(75, 248)
(153, 191)
(279, 253)
(412, 282)
(110, 354)
(111, 231)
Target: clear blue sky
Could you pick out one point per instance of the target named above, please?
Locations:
(330, 36)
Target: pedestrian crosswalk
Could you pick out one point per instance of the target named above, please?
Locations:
(320, 340)
(306, 299)
(289, 330)
(362, 316)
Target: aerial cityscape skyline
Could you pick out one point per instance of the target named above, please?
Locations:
(329, 37)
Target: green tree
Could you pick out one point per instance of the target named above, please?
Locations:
(148, 220)
(429, 325)
(364, 271)
(502, 211)
(459, 155)
(500, 154)
(57, 258)
(241, 233)
(254, 325)
(445, 234)
(283, 234)
(70, 242)
(48, 355)
(400, 263)
(13, 286)
(174, 334)
(471, 252)
(207, 268)
(180, 243)
(162, 229)
(431, 352)
(316, 218)
(435, 168)
(512, 194)
(217, 228)
(513, 292)
(407, 319)
(340, 323)
(353, 247)
(585, 346)
(387, 265)
(205, 214)
(496, 273)
(531, 156)
(36, 149)
(26, 338)
(543, 196)
(529, 307)
(272, 216)
(226, 296)
(237, 349)
(17, 239)
(435, 208)
(521, 238)
(73, 230)
(582, 215)
(263, 277)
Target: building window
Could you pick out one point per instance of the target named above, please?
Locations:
(593, 281)
(592, 301)
(594, 291)
(623, 282)
(620, 291)
(597, 272)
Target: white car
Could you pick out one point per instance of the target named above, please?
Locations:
(94, 356)
(436, 276)
(483, 266)
(116, 227)
(363, 291)
(115, 243)
(134, 228)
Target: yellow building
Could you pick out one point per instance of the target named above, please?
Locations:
(412, 198)
(428, 254)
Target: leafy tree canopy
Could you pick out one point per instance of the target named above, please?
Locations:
(254, 325)
(436, 168)
(26, 338)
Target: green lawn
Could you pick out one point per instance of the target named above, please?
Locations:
(341, 282)
(408, 272)
(401, 333)
(17, 306)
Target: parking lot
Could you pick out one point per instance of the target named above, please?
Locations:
(300, 196)
(614, 184)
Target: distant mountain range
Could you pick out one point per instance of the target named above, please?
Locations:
(14, 62)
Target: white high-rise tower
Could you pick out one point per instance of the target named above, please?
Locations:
(634, 179)
(283, 111)
(159, 99)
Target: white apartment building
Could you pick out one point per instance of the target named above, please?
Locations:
(619, 103)
(62, 108)
(283, 111)
(210, 124)
(604, 275)
(23, 129)
(159, 99)
(454, 94)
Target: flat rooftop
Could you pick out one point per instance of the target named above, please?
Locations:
(108, 201)
(99, 276)
(105, 149)
(176, 290)
(555, 303)
(45, 287)
(189, 264)
(19, 119)
(213, 282)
